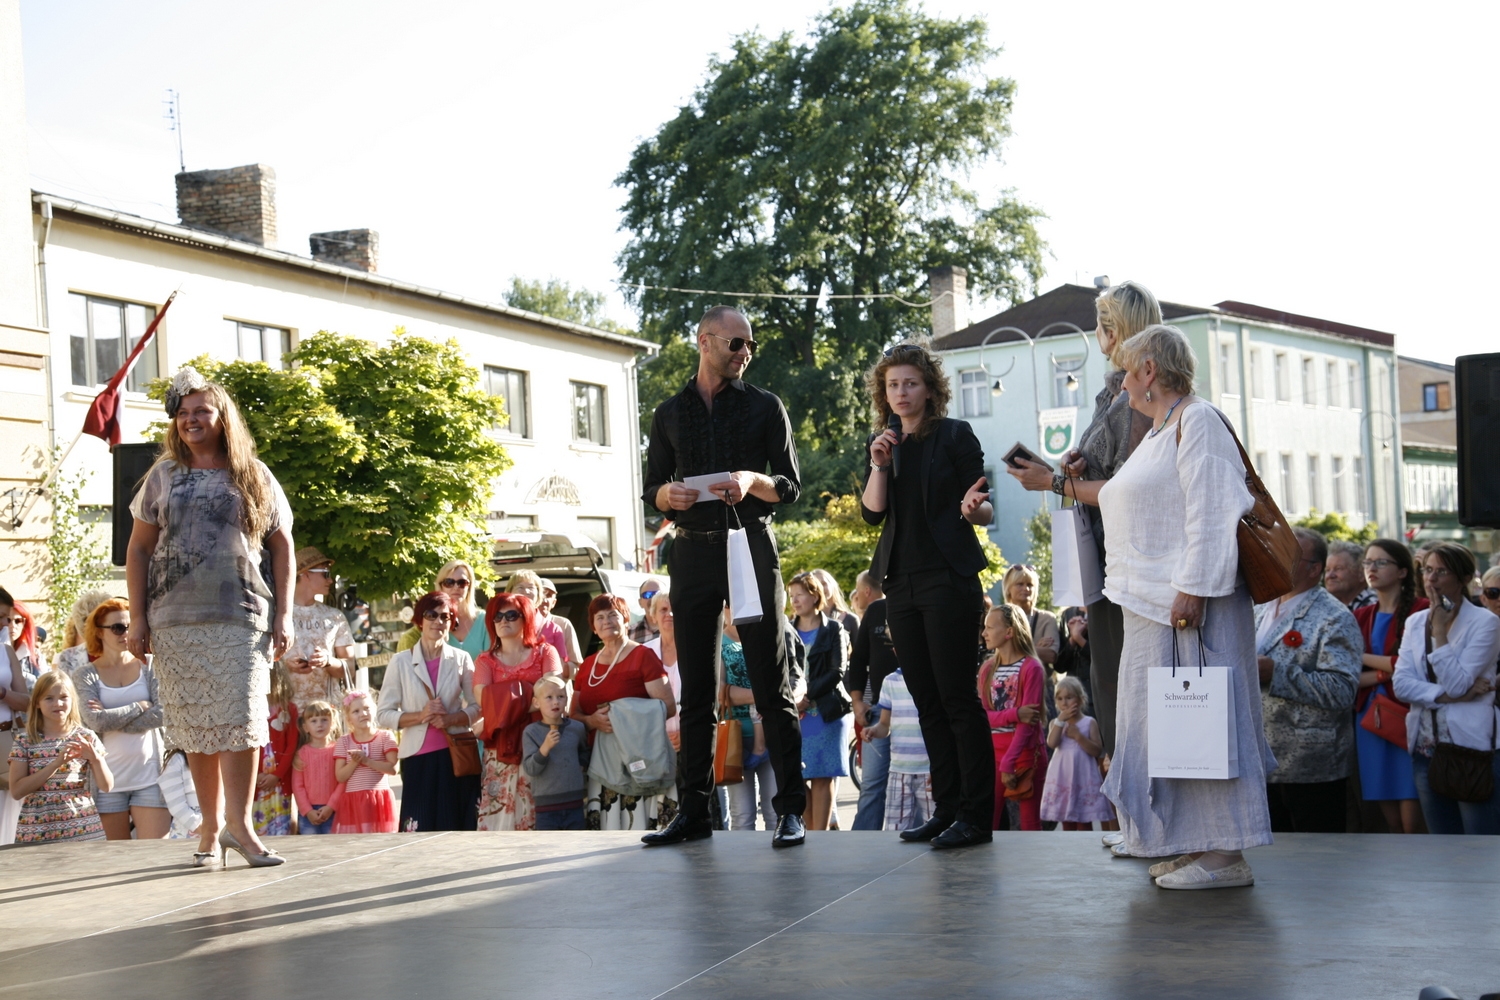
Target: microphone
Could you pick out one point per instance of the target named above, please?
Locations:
(894, 423)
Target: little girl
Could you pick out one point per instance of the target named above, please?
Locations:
(364, 758)
(50, 762)
(1011, 684)
(314, 785)
(176, 784)
(272, 810)
(1072, 794)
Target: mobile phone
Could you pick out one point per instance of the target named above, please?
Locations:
(1019, 450)
(1447, 603)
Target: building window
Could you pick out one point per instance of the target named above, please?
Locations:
(1314, 495)
(1286, 483)
(1338, 484)
(1331, 378)
(1283, 377)
(1431, 488)
(600, 531)
(588, 414)
(1357, 466)
(1436, 396)
(1356, 387)
(101, 335)
(974, 393)
(1060, 391)
(1309, 383)
(254, 342)
(1228, 384)
(510, 386)
(1257, 375)
(1260, 465)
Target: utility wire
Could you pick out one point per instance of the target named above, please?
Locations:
(786, 295)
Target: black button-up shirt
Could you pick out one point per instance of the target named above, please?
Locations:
(747, 431)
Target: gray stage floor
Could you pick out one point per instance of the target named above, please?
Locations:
(849, 915)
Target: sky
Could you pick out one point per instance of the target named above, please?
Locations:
(1329, 159)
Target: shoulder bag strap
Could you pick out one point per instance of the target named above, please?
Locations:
(1431, 675)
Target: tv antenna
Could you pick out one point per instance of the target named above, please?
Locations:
(173, 116)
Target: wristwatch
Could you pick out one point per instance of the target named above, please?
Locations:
(1057, 484)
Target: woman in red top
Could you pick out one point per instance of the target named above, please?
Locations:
(1385, 774)
(1011, 684)
(517, 659)
(621, 669)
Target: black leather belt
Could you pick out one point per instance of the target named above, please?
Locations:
(718, 537)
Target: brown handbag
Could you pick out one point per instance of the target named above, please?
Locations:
(1268, 549)
(463, 747)
(1461, 773)
(729, 749)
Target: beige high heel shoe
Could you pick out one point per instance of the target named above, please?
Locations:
(228, 843)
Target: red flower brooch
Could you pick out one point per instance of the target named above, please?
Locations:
(1292, 638)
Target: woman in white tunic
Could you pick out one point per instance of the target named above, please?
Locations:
(1170, 516)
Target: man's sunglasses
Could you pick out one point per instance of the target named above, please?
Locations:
(737, 344)
(118, 629)
(449, 581)
(1493, 593)
(646, 595)
(437, 616)
(507, 616)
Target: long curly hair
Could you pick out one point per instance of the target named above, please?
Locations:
(939, 392)
(238, 446)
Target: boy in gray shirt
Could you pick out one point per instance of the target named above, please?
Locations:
(555, 756)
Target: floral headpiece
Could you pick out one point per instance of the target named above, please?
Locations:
(187, 381)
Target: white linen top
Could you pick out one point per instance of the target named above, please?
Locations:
(1170, 516)
(1473, 644)
(674, 678)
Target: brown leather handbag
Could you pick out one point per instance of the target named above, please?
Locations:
(729, 748)
(1461, 773)
(463, 747)
(1268, 549)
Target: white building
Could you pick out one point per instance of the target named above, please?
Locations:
(1312, 400)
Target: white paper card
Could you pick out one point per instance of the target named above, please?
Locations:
(1190, 727)
(702, 483)
(1077, 577)
(744, 591)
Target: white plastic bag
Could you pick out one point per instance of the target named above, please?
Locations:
(744, 590)
(1190, 724)
(1077, 573)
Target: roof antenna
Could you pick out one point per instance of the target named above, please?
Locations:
(174, 124)
(1101, 281)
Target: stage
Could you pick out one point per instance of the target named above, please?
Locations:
(857, 915)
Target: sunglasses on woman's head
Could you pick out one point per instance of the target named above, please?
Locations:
(902, 349)
(507, 616)
(436, 616)
(118, 629)
(449, 581)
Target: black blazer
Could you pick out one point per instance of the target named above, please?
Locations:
(826, 662)
(955, 461)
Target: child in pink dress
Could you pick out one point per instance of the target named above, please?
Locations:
(1072, 795)
(315, 787)
(364, 760)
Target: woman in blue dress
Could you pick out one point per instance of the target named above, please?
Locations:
(1385, 768)
(827, 725)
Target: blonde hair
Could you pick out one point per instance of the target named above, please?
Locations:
(93, 630)
(939, 392)
(322, 710)
(1016, 571)
(354, 696)
(245, 471)
(1124, 310)
(550, 680)
(44, 685)
(467, 603)
(1067, 682)
(281, 685)
(1019, 625)
(78, 617)
(524, 576)
(833, 597)
(654, 608)
(1176, 364)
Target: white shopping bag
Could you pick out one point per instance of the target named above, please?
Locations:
(744, 591)
(1190, 722)
(1077, 573)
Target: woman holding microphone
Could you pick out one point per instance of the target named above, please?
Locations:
(925, 485)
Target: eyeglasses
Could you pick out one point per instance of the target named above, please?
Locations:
(646, 595)
(1493, 593)
(437, 616)
(1435, 572)
(118, 629)
(507, 616)
(449, 581)
(737, 344)
(1378, 563)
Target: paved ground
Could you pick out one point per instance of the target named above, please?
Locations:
(855, 915)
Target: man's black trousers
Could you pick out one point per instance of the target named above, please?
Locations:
(700, 588)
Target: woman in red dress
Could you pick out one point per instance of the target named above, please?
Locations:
(516, 660)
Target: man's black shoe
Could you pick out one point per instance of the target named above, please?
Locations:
(961, 834)
(680, 829)
(789, 832)
(925, 832)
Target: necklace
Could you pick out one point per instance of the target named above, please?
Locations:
(1157, 430)
(593, 679)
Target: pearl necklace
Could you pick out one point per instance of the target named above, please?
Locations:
(1157, 430)
(593, 680)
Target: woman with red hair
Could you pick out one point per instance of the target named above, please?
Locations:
(23, 640)
(503, 678)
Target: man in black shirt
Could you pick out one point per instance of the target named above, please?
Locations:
(721, 424)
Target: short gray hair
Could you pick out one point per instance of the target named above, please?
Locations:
(1353, 550)
(1176, 364)
(1319, 543)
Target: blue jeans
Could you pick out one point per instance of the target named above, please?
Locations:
(308, 826)
(753, 794)
(875, 767)
(1445, 815)
(561, 819)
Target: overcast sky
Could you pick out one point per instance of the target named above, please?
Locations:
(1327, 159)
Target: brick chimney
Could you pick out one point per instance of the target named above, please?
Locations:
(357, 248)
(238, 202)
(950, 311)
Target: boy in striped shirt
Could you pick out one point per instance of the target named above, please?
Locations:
(908, 789)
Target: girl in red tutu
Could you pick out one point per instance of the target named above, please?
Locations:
(364, 758)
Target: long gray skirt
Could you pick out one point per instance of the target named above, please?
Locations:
(213, 681)
(1166, 816)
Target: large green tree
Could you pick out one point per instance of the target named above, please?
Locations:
(383, 450)
(561, 300)
(825, 166)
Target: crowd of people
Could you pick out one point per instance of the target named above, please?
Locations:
(220, 702)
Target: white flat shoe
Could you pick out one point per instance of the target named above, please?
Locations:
(1113, 838)
(1195, 876)
(1166, 867)
(1119, 851)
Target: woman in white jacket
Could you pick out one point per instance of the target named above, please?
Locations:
(1446, 672)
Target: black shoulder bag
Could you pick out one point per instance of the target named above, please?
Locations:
(1458, 772)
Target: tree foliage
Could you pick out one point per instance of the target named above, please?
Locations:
(825, 166)
(383, 450)
(560, 300)
(1039, 556)
(78, 554)
(1336, 527)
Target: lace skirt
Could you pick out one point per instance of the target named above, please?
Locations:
(214, 679)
